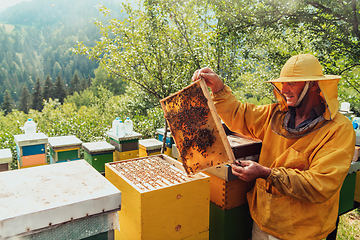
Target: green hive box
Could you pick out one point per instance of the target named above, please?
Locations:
(235, 223)
(64, 148)
(347, 192)
(98, 153)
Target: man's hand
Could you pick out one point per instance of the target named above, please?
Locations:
(212, 80)
(249, 170)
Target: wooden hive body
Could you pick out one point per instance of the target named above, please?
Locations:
(174, 211)
(98, 153)
(64, 148)
(196, 128)
(148, 147)
(125, 147)
(5, 159)
(31, 149)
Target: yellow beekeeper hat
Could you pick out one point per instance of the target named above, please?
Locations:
(303, 67)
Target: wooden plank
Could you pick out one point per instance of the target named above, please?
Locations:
(196, 128)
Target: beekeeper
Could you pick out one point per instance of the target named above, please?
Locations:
(307, 147)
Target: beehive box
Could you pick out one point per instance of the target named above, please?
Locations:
(235, 223)
(69, 200)
(126, 147)
(169, 141)
(357, 188)
(5, 159)
(196, 128)
(64, 148)
(31, 149)
(98, 153)
(348, 189)
(228, 194)
(159, 200)
(148, 147)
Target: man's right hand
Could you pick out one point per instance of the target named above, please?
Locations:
(212, 80)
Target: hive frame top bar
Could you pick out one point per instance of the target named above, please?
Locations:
(175, 165)
(170, 105)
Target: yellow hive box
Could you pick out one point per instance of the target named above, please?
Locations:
(148, 147)
(120, 156)
(156, 206)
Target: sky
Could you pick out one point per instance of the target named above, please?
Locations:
(8, 3)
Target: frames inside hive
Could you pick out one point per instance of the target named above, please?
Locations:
(196, 128)
(150, 173)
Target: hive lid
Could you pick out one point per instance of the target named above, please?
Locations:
(150, 144)
(132, 136)
(162, 132)
(5, 155)
(64, 141)
(98, 147)
(27, 140)
(354, 167)
(196, 128)
(37, 197)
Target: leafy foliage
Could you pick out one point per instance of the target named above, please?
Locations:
(88, 122)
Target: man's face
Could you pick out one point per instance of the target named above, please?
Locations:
(292, 91)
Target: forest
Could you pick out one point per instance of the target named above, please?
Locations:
(35, 38)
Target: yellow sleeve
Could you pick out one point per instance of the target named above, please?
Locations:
(244, 118)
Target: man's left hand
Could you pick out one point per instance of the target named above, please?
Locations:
(249, 170)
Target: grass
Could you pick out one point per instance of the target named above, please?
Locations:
(349, 226)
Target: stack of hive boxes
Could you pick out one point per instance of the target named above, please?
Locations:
(126, 147)
(31, 149)
(159, 200)
(229, 212)
(64, 149)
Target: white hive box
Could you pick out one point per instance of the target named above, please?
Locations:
(41, 199)
(5, 159)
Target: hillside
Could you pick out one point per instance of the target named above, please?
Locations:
(35, 38)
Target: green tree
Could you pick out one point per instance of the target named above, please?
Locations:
(83, 84)
(56, 69)
(88, 82)
(111, 82)
(275, 30)
(37, 103)
(25, 100)
(159, 46)
(7, 103)
(48, 90)
(59, 89)
(75, 85)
